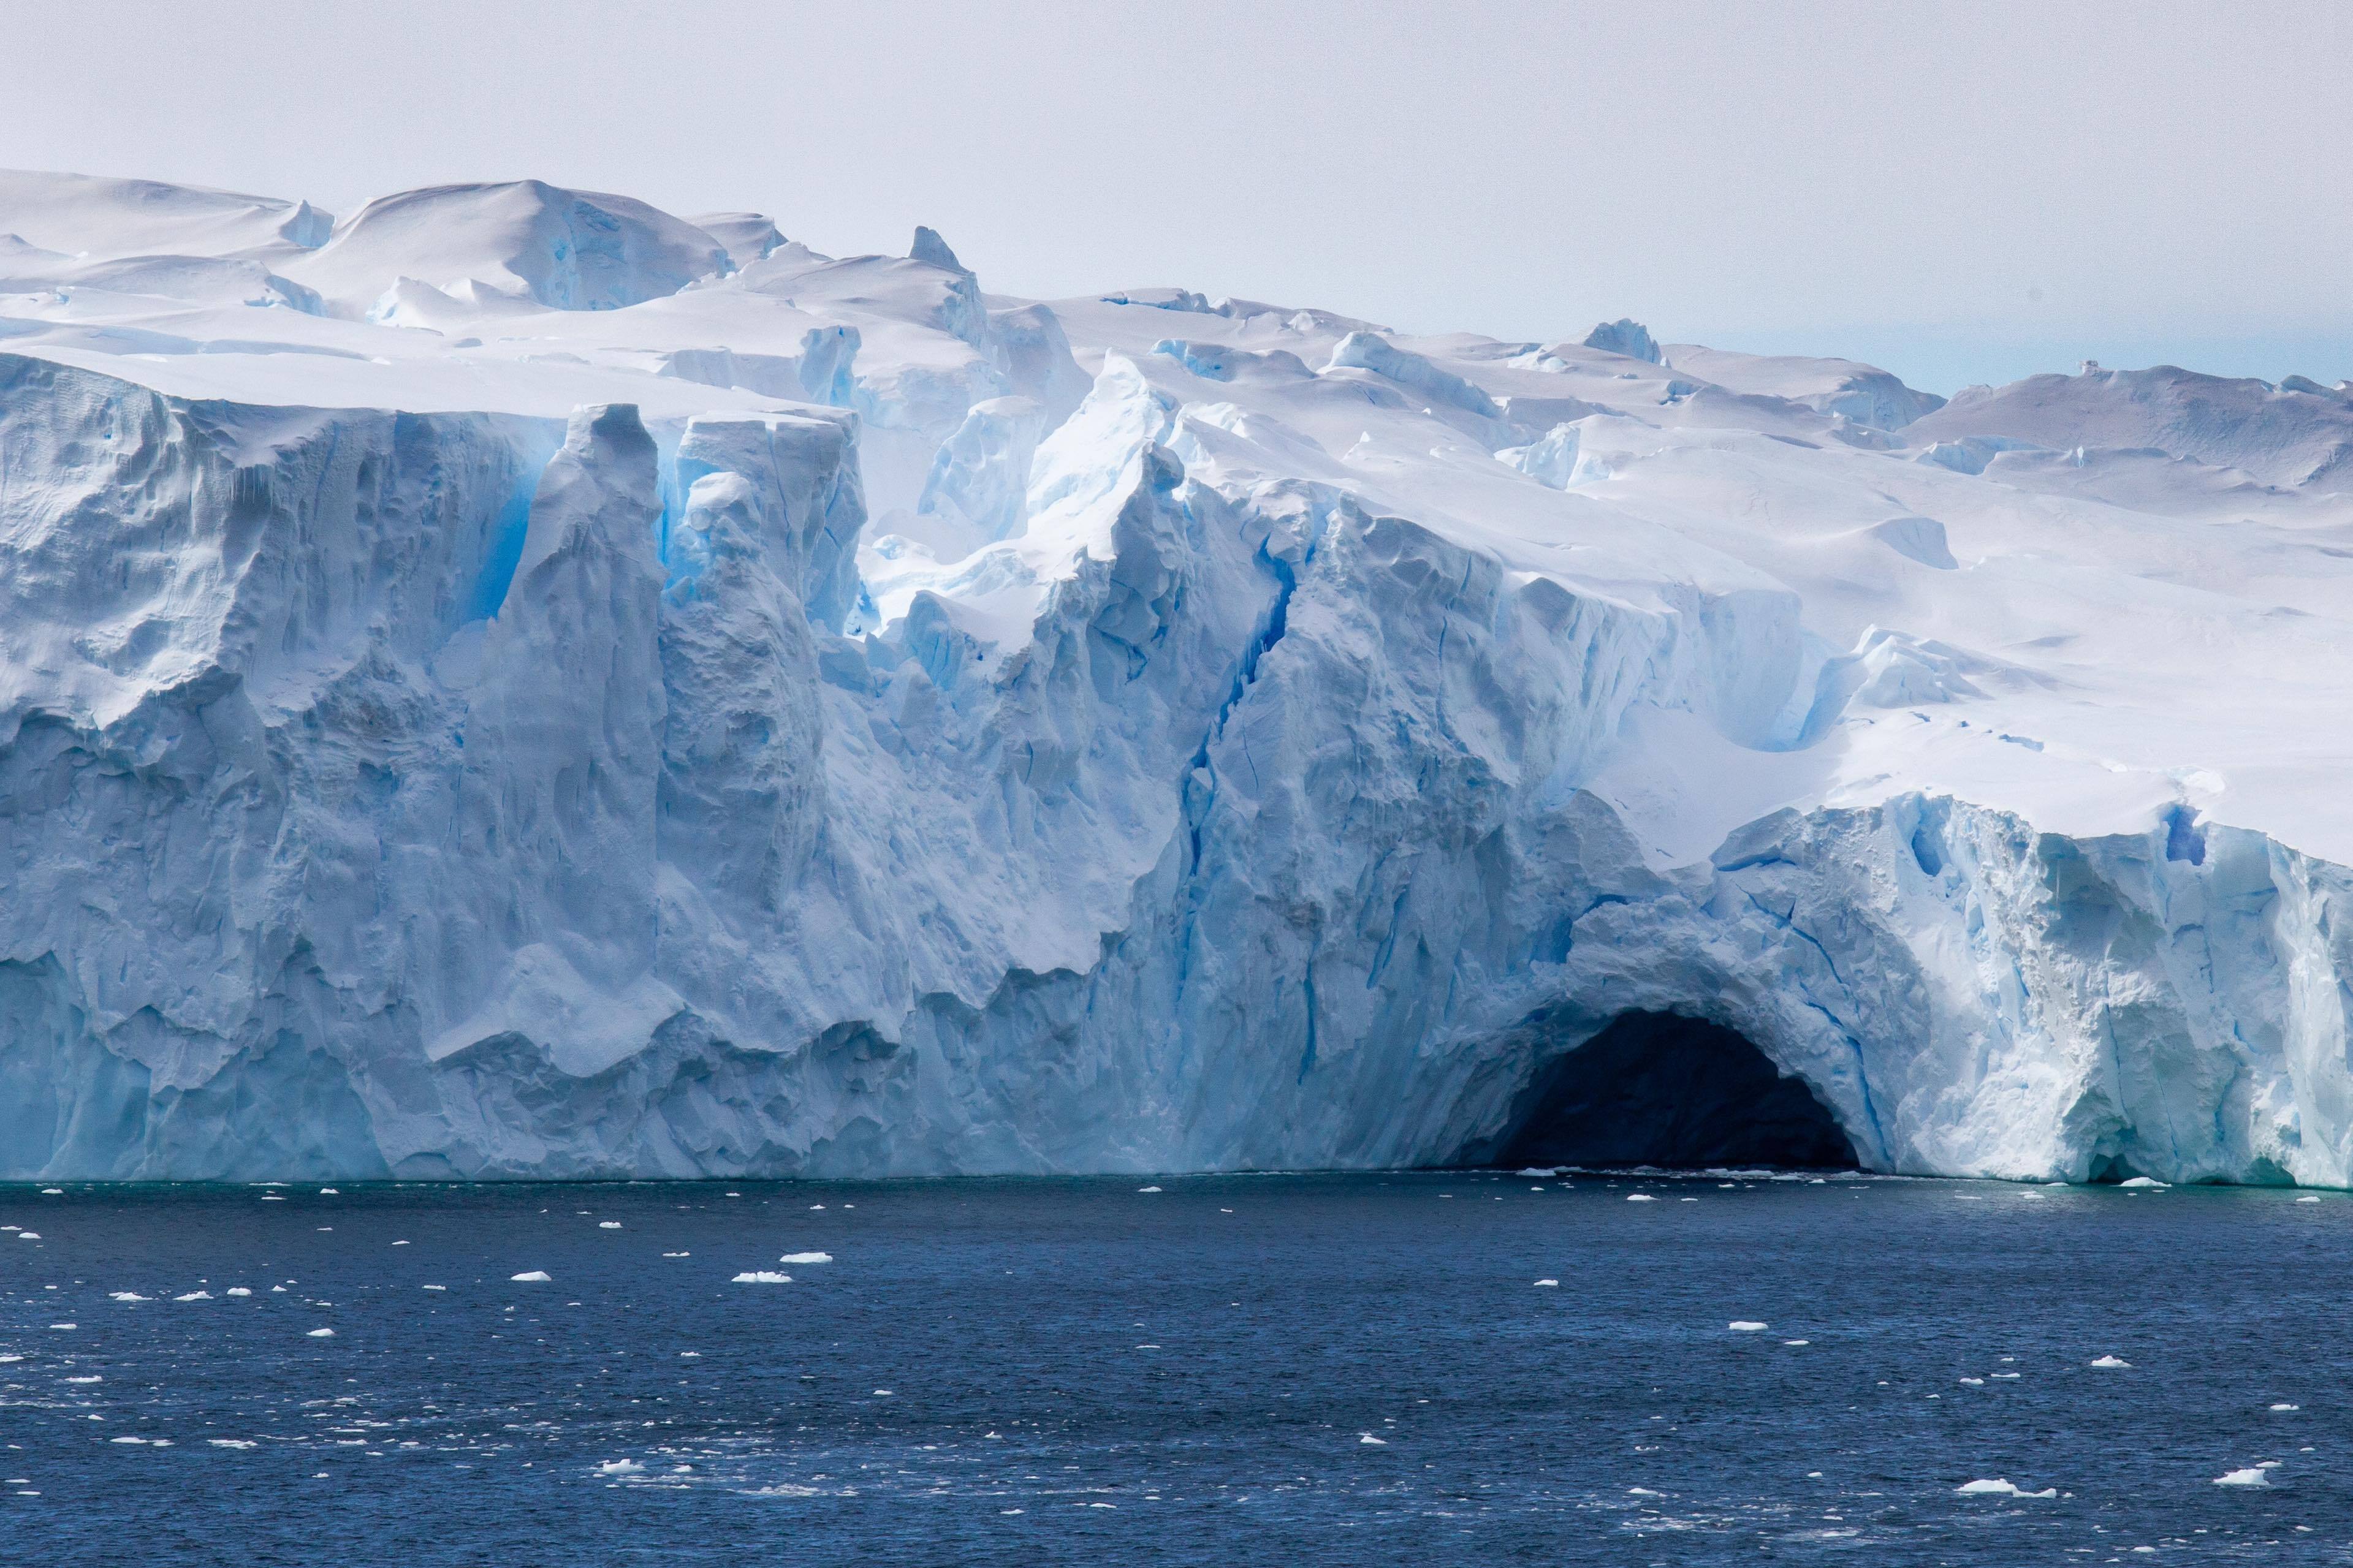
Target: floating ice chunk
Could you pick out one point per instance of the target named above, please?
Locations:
(329, 1193)
(321, 1334)
(65, 1325)
(126, 1296)
(690, 1356)
(194, 1296)
(678, 1255)
(1641, 1198)
(85, 1380)
(2252, 1475)
(1797, 1341)
(1147, 1189)
(1974, 1381)
(1998, 1487)
(530, 1276)
(2111, 1363)
(271, 1198)
(620, 1467)
(761, 1277)
(1542, 1172)
(141, 1442)
(28, 1236)
(608, 1225)
(2143, 1181)
(882, 1393)
(2308, 1200)
(237, 1291)
(53, 1191)
(1745, 1326)
(1643, 1491)
(1549, 1284)
(437, 1287)
(807, 1257)
(2286, 1407)
(1368, 1440)
(400, 1244)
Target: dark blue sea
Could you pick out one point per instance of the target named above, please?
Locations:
(1222, 1370)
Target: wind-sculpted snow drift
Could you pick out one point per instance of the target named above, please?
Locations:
(516, 683)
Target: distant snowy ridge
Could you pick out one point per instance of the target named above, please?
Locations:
(512, 682)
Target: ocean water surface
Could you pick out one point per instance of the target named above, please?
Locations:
(1425, 1368)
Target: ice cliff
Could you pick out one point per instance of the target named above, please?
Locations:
(512, 682)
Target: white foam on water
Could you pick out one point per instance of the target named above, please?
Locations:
(85, 1380)
(231, 1443)
(2308, 1200)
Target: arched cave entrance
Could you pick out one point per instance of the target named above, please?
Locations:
(1654, 1089)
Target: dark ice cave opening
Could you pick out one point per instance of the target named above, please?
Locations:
(1656, 1089)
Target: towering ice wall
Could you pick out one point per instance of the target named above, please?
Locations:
(548, 693)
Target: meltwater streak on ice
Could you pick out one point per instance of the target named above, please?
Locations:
(1072, 1371)
(512, 682)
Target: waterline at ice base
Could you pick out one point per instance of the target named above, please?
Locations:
(510, 682)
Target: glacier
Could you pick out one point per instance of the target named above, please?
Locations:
(512, 682)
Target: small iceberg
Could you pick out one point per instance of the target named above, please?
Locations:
(194, 1296)
(530, 1276)
(321, 1334)
(1369, 1440)
(2287, 1408)
(2000, 1486)
(2111, 1363)
(807, 1257)
(1745, 1326)
(1641, 1198)
(608, 1225)
(127, 1296)
(237, 1291)
(1549, 1284)
(1147, 1189)
(2252, 1475)
(761, 1277)
(620, 1467)
(2143, 1182)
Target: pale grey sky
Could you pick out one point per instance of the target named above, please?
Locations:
(1957, 192)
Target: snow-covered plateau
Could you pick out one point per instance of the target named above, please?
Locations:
(510, 682)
